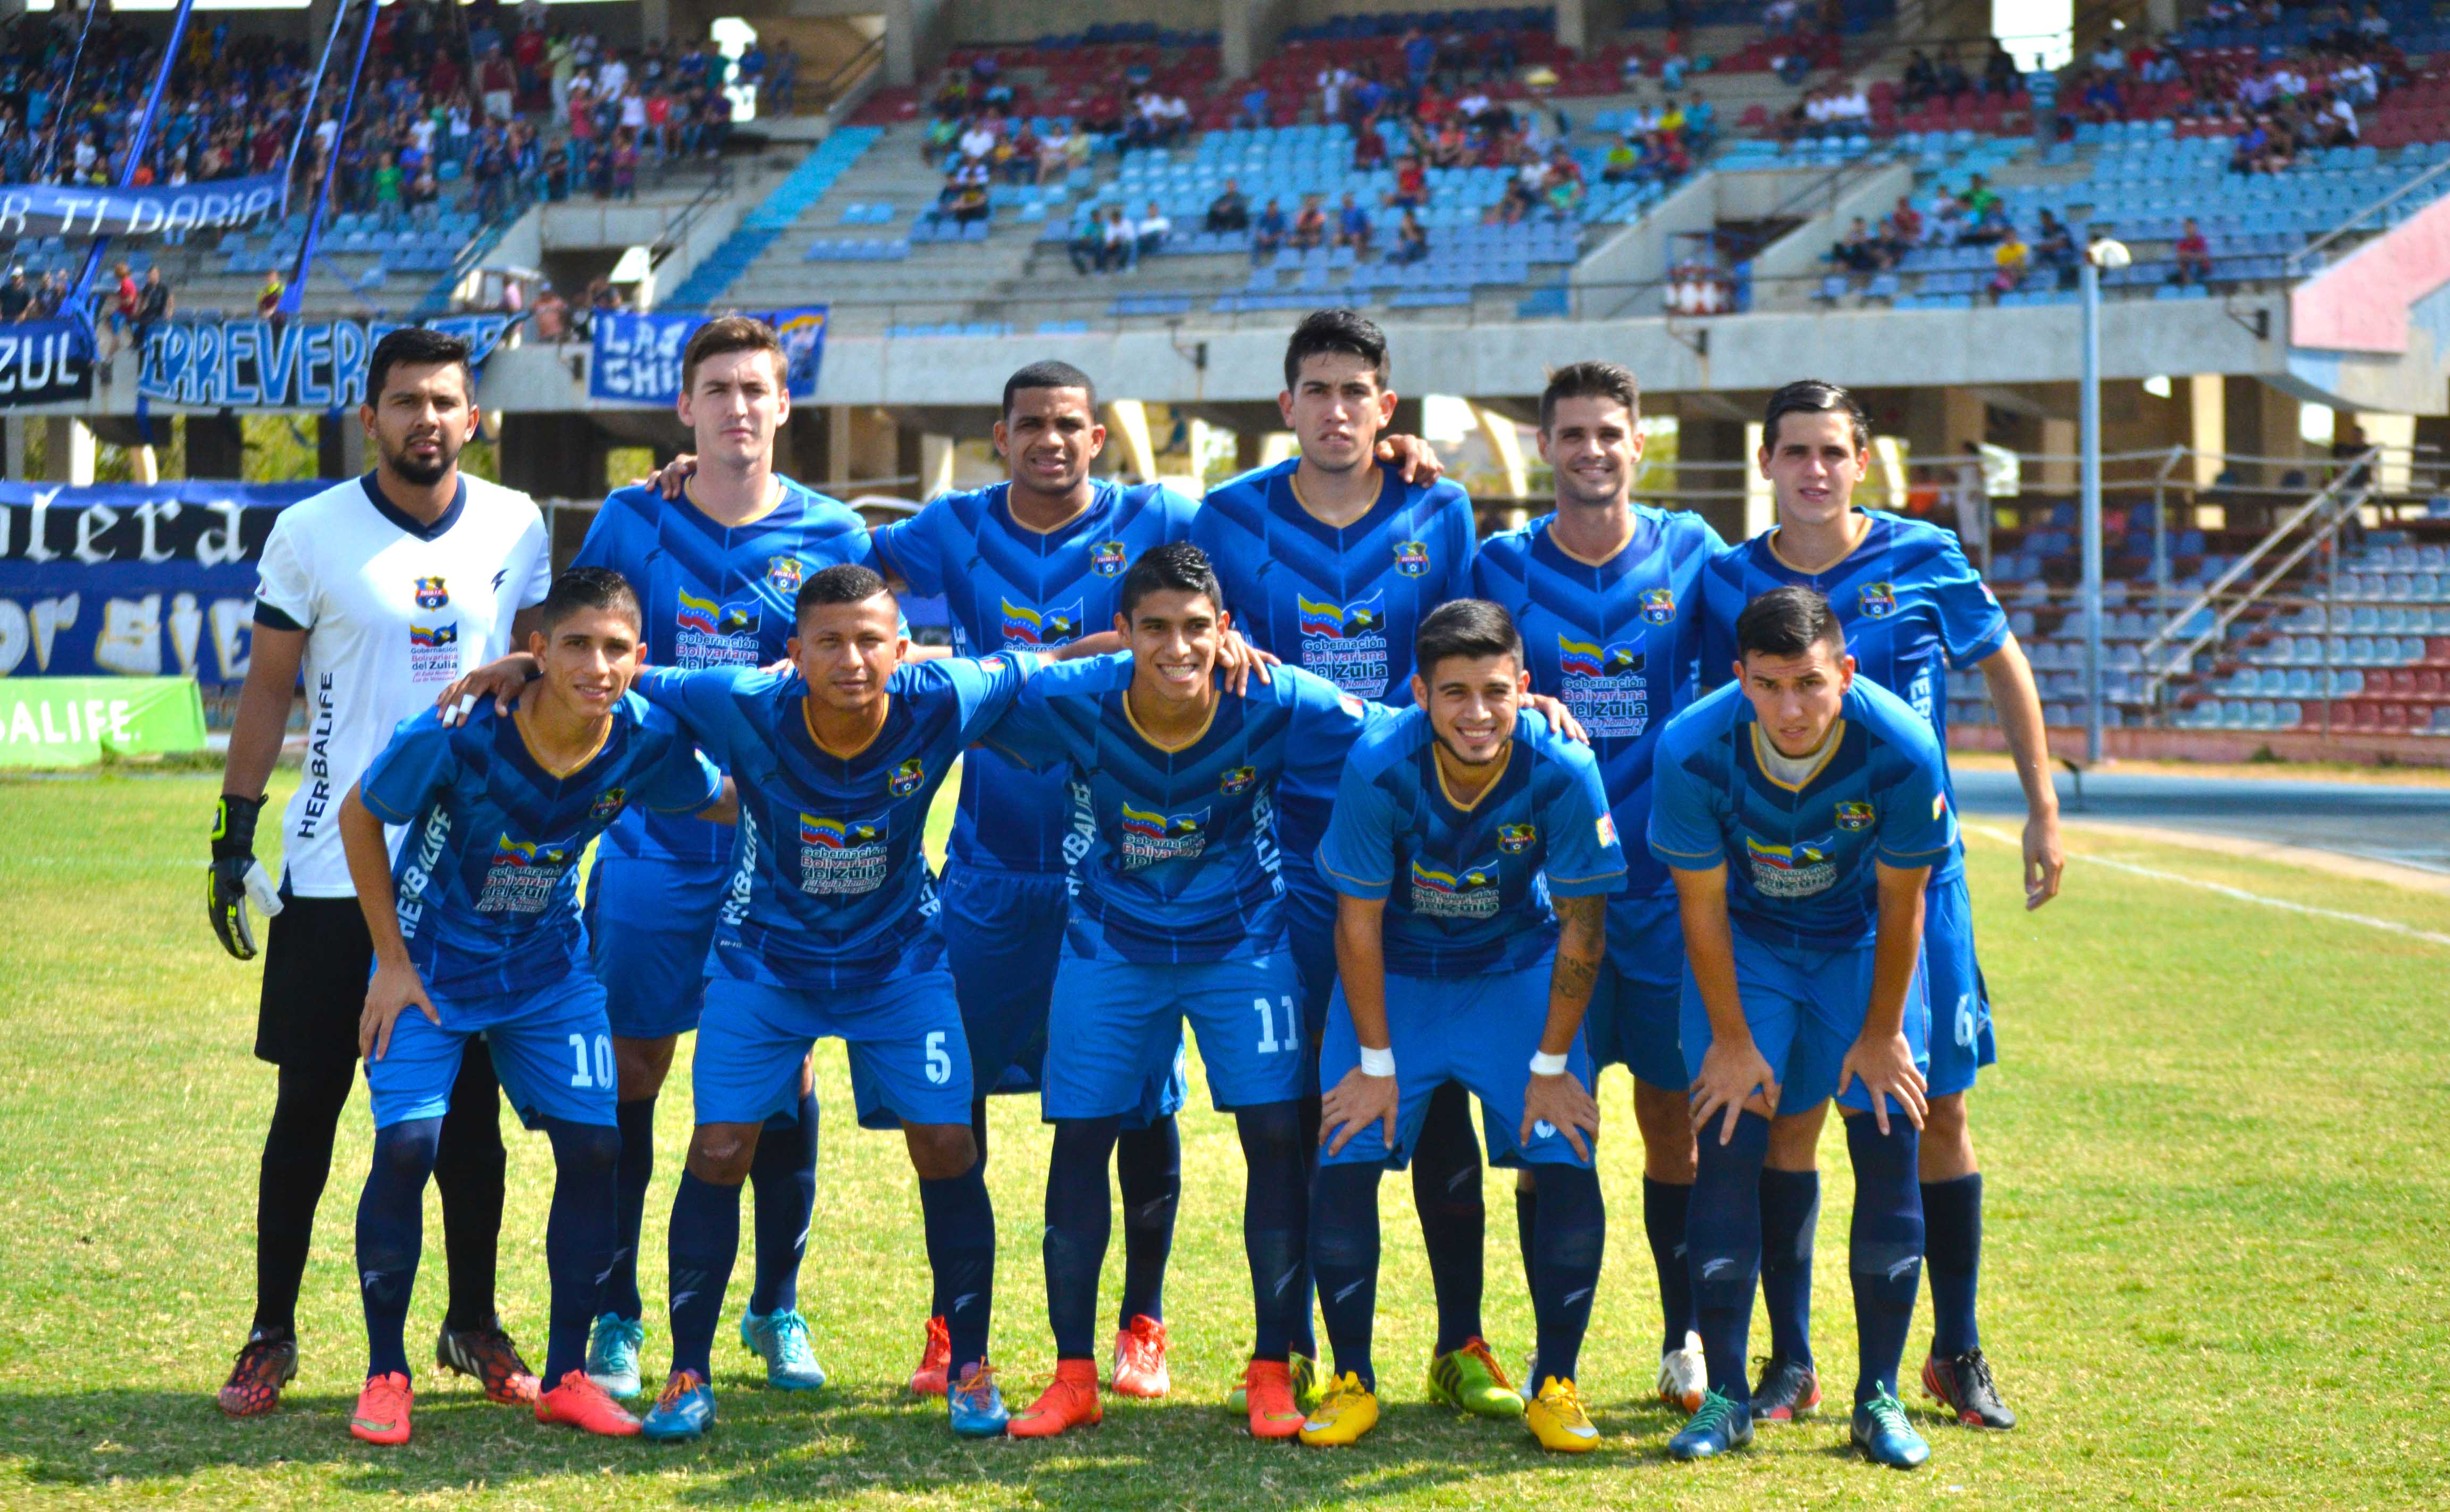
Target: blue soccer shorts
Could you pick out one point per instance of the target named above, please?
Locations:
(1116, 1024)
(1635, 1017)
(1004, 934)
(1805, 1009)
(551, 1049)
(1479, 1031)
(649, 924)
(909, 1061)
(1961, 1043)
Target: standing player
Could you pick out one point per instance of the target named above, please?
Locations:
(476, 926)
(1912, 608)
(1176, 915)
(1473, 849)
(829, 927)
(381, 588)
(1609, 598)
(1803, 811)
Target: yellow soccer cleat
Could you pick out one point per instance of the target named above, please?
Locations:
(1350, 1411)
(1556, 1419)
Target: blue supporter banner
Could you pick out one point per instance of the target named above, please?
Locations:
(83, 210)
(296, 366)
(637, 358)
(44, 361)
(133, 580)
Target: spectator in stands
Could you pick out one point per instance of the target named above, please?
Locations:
(942, 136)
(1231, 210)
(1118, 239)
(267, 299)
(1251, 114)
(783, 78)
(1309, 226)
(1411, 240)
(1918, 83)
(2193, 255)
(121, 307)
(1270, 233)
(625, 164)
(1150, 231)
(1906, 221)
(1368, 147)
(2010, 261)
(1623, 163)
(1352, 226)
(2055, 248)
(966, 193)
(1088, 247)
(1411, 184)
(154, 304)
(979, 139)
(2338, 121)
(749, 70)
(1950, 80)
(1856, 251)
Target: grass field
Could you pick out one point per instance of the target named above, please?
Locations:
(2218, 1200)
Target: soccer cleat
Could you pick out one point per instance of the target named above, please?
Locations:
(1787, 1391)
(1964, 1387)
(1471, 1379)
(975, 1403)
(781, 1339)
(683, 1409)
(264, 1365)
(486, 1355)
(1557, 1419)
(1140, 1359)
(1070, 1401)
(1718, 1427)
(1882, 1432)
(1309, 1387)
(935, 1362)
(1268, 1390)
(382, 1410)
(579, 1403)
(1682, 1376)
(1350, 1411)
(613, 1349)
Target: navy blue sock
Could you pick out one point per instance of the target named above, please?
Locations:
(960, 1252)
(1305, 1339)
(705, 1243)
(1951, 1218)
(1148, 1178)
(391, 1235)
(1572, 1242)
(1080, 1221)
(1790, 1208)
(577, 1237)
(940, 1301)
(1344, 1260)
(1723, 1239)
(1275, 1225)
(1454, 1219)
(637, 1120)
(1526, 1227)
(1884, 1245)
(783, 1184)
(1664, 1208)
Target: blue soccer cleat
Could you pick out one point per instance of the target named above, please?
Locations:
(1721, 1426)
(781, 1339)
(683, 1410)
(1882, 1432)
(976, 1404)
(613, 1349)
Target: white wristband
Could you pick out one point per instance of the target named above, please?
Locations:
(1377, 1062)
(1543, 1064)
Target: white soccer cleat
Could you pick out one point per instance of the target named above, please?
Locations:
(1683, 1378)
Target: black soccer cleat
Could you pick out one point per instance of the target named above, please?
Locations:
(487, 1356)
(1964, 1387)
(1788, 1390)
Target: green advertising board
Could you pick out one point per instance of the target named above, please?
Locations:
(71, 721)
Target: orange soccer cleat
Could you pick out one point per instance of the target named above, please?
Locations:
(1069, 1402)
(1140, 1359)
(382, 1410)
(581, 1404)
(1268, 1384)
(935, 1362)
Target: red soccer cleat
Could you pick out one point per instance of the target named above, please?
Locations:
(382, 1410)
(1140, 1359)
(1069, 1402)
(265, 1365)
(934, 1361)
(582, 1403)
(1268, 1384)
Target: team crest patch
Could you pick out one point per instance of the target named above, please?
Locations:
(431, 594)
(525, 874)
(907, 778)
(1106, 559)
(841, 855)
(1796, 870)
(1413, 558)
(1468, 892)
(1853, 816)
(1150, 837)
(1516, 839)
(1879, 600)
(1237, 781)
(1025, 626)
(1659, 604)
(607, 803)
(784, 573)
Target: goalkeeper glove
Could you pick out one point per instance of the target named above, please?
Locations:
(237, 877)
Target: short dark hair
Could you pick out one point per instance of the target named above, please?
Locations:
(416, 346)
(1470, 627)
(1814, 397)
(1788, 621)
(843, 583)
(1176, 567)
(1590, 380)
(1050, 375)
(730, 333)
(1348, 332)
(583, 588)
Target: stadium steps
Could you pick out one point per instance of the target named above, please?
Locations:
(709, 283)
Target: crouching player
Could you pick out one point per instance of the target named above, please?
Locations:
(1475, 848)
(476, 927)
(1801, 811)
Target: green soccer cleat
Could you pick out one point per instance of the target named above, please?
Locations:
(1310, 1387)
(1471, 1380)
(781, 1339)
(613, 1349)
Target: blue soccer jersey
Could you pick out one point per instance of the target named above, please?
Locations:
(1178, 849)
(714, 595)
(1616, 642)
(1010, 588)
(831, 887)
(1800, 859)
(486, 877)
(1467, 885)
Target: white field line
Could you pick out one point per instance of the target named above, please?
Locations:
(2238, 893)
